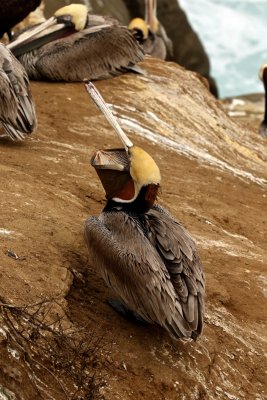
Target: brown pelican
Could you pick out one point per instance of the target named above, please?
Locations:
(150, 33)
(17, 111)
(14, 11)
(148, 259)
(80, 45)
(263, 77)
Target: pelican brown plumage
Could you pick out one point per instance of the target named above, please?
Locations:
(80, 45)
(17, 110)
(150, 33)
(263, 77)
(148, 259)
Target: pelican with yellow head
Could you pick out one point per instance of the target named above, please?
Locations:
(74, 44)
(147, 258)
(150, 33)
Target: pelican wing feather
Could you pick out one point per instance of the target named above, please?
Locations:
(122, 248)
(17, 114)
(97, 52)
(179, 254)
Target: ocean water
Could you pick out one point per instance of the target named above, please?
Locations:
(234, 35)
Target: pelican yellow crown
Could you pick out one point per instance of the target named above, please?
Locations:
(139, 24)
(143, 169)
(78, 13)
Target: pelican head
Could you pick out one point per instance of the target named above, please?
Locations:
(139, 28)
(128, 171)
(78, 13)
(65, 21)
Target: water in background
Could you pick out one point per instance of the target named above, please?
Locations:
(234, 35)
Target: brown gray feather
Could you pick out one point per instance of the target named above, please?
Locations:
(152, 265)
(17, 110)
(94, 53)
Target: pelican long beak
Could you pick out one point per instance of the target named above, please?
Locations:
(66, 20)
(103, 107)
(151, 15)
(30, 34)
(52, 29)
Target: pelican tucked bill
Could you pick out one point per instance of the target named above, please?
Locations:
(73, 45)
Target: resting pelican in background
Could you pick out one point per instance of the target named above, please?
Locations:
(17, 111)
(263, 77)
(79, 45)
(148, 259)
(150, 33)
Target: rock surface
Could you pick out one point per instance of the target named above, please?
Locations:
(214, 182)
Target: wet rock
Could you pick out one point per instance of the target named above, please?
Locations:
(214, 181)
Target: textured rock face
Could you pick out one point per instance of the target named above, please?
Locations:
(214, 181)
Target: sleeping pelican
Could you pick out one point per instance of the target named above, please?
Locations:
(263, 77)
(148, 259)
(79, 45)
(150, 33)
(17, 111)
